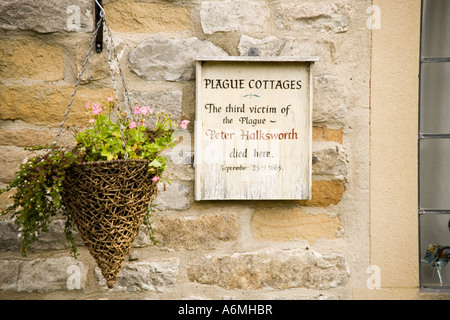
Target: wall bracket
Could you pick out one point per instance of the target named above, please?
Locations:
(99, 14)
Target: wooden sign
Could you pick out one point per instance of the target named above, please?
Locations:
(253, 128)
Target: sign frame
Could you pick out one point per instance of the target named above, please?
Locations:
(199, 134)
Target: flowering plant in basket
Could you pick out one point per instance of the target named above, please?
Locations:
(110, 135)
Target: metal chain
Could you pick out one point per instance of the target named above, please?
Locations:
(114, 51)
(111, 50)
(77, 84)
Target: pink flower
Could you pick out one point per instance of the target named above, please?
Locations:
(91, 121)
(136, 111)
(145, 110)
(96, 109)
(132, 125)
(86, 106)
(184, 124)
(155, 178)
(110, 99)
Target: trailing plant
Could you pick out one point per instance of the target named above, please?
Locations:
(38, 185)
(110, 134)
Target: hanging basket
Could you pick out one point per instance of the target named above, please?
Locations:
(108, 201)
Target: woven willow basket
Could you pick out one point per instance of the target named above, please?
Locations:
(108, 201)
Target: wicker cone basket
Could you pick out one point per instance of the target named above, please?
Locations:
(108, 201)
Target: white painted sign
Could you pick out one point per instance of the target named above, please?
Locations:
(253, 130)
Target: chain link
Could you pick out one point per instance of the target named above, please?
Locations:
(114, 52)
(111, 51)
(77, 84)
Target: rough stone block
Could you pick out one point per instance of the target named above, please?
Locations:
(325, 193)
(10, 160)
(47, 104)
(26, 137)
(9, 240)
(30, 58)
(325, 16)
(170, 59)
(234, 15)
(323, 134)
(173, 196)
(289, 46)
(181, 156)
(47, 16)
(330, 161)
(131, 16)
(5, 200)
(202, 232)
(272, 268)
(329, 93)
(169, 100)
(54, 239)
(329, 100)
(142, 239)
(98, 67)
(144, 276)
(9, 275)
(268, 46)
(291, 224)
(43, 275)
(46, 275)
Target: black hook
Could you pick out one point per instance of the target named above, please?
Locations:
(98, 17)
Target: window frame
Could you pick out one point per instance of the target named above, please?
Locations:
(445, 287)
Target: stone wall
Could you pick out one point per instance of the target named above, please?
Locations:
(311, 249)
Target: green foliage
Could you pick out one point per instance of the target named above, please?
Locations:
(38, 184)
(105, 139)
(39, 181)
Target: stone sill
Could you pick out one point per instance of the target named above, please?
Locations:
(258, 58)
